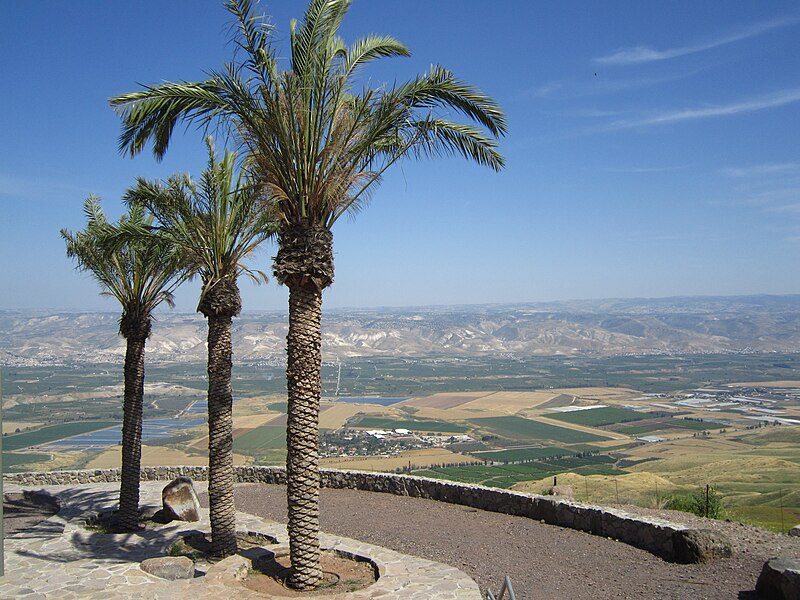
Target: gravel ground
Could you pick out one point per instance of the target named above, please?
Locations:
(544, 561)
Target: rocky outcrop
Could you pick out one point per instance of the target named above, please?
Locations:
(700, 545)
(779, 580)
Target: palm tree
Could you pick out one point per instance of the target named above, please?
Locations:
(140, 276)
(316, 146)
(215, 224)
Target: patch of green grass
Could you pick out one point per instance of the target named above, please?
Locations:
(639, 429)
(768, 517)
(696, 425)
(597, 417)
(517, 428)
(12, 463)
(413, 425)
(281, 407)
(504, 476)
(522, 454)
(266, 437)
(52, 433)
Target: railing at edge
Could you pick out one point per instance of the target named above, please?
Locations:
(506, 587)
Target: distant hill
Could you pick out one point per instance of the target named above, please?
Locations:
(588, 327)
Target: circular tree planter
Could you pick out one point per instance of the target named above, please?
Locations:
(265, 571)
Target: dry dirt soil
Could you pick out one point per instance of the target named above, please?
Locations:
(544, 561)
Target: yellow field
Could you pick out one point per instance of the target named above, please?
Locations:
(458, 413)
(154, 456)
(12, 426)
(425, 457)
(686, 453)
(253, 421)
(643, 489)
(443, 400)
(256, 405)
(58, 460)
(599, 393)
(338, 412)
(509, 403)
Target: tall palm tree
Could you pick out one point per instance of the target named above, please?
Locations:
(140, 276)
(215, 224)
(317, 146)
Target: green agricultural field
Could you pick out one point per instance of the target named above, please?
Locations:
(517, 428)
(597, 417)
(413, 425)
(255, 441)
(52, 433)
(696, 425)
(641, 429)
(14, 463)
(504, 476)
(522, 454)
(278, 407)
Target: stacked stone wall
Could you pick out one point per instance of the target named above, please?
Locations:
(653, 535)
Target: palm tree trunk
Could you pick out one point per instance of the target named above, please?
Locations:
(127, 518)
(220, 437)
(302, 433)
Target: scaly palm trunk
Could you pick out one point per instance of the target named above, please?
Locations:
(220, 304)
(302, 434)
(220, 438)
(127, 517)
(304, 264)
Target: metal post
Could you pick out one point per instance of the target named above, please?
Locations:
(707, 488)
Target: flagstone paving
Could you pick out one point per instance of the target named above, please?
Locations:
(61, 558)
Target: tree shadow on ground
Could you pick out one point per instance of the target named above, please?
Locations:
(82, 542)
(27, 514)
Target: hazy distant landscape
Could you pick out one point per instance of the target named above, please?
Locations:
(623, 400)
(742, 324)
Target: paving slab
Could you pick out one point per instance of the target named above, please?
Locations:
(61, 558)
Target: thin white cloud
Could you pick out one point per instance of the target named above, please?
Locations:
(756, 104)
(785, 208)
(546, 90)
(643, 54)
(763, 170)
(601, 85)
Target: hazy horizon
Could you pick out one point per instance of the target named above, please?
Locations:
(284, 309)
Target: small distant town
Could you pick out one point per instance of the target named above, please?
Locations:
(347, 441)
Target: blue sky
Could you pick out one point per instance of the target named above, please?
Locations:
(653, 148)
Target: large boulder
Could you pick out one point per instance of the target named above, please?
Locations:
(180, 500)
(700, 545)
(779, 580)
(169, 567)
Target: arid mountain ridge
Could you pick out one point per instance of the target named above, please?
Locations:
(590, 327)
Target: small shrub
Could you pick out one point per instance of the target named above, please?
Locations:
(697, 504)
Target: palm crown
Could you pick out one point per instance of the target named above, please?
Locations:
(319, 144)
(215, 223)
(139, 274)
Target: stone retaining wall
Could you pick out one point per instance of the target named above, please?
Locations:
(653, 535)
